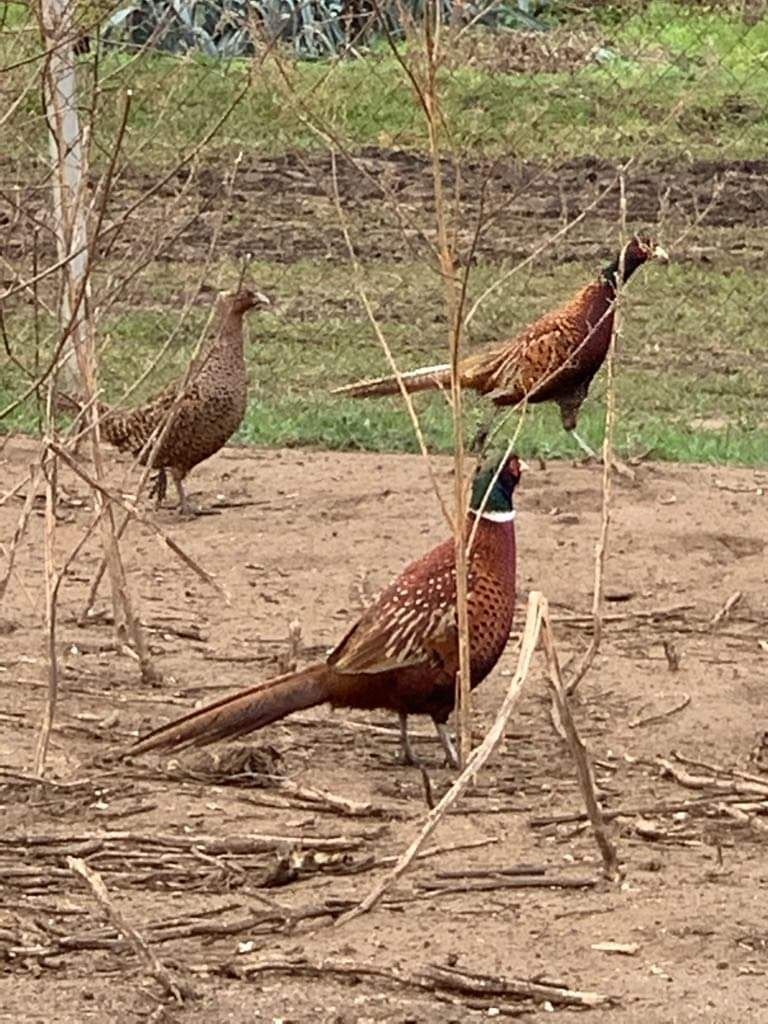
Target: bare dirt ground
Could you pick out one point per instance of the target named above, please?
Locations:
(302, 527)
(283, 208)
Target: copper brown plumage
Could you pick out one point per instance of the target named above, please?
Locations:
(552, 360)
(402, 654)
(206, 416)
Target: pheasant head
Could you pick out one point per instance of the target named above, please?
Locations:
(638, 250)
(493, 487)
(239, 302)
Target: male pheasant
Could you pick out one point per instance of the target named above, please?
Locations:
(552, 360)
(209, 413)
(402, 654)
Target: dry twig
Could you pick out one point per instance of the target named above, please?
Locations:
(174, 987)
(139, 517)
(578, 750)
(726, 609)
(601, 546)
(431, 977)
(659, 716)
(21, 525)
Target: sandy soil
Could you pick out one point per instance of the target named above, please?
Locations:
(300, 531)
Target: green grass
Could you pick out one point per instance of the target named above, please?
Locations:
(684, 393)
(687, 83)
(684, 82)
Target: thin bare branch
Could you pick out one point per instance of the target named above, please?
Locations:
(579, 752)
(172, 986)
(601, 546)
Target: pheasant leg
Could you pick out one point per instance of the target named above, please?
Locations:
(616, 464)
(407, 755)
(583, 445)
(159, 487)
(451, 754)
(185, 506)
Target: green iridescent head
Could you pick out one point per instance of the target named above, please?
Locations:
(506, 479)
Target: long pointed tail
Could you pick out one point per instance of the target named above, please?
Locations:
(127, 429)
(74, 404)
(242, 712)
(424, 379)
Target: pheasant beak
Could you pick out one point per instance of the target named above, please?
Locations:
(262, 299)
(525, 466)
(660, 254)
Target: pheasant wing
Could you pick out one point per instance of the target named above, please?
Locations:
(534, 360)
(412, 622)
(131, 429)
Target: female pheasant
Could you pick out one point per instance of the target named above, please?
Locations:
(402, 654)
(209, 413)
(552, 360)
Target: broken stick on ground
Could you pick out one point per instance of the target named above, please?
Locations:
(174, 987)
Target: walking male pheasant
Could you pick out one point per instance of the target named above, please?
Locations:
(552, 360)
(211, 410)
(402, 654)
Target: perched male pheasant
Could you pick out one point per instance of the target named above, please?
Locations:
(207, 416)
(402, 654)
(552, 360)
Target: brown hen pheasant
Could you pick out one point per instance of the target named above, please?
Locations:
(209, 413)
(402, 654)
(552, 360)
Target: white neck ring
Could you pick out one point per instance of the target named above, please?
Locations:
(499, 517)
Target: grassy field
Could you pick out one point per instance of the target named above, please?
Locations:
(671, 79)
(675, 85)
(683, 393)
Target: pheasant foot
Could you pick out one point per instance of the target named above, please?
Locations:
(616, 464)
(185, 506)
(407, 755)
(451, 754)
(624, 470)
(584, 446)
(159, 487)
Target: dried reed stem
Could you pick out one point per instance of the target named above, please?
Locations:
(367, 305)
(581, 757)
(49, 466)
(21, 526)
(69, 149)
(428, 92)
(601, 546)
